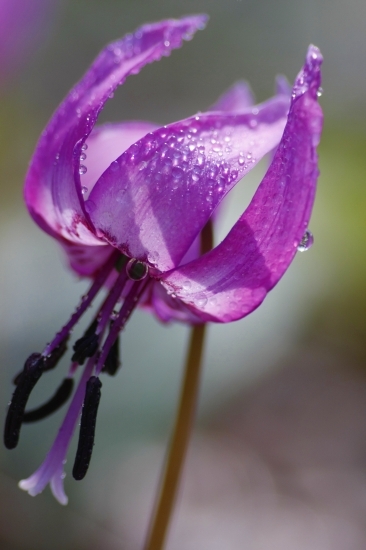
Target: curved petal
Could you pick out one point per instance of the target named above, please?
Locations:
(53, 188)
(154, 199)
(86, 260)
(237, 98)
(232, 280)
(105, 144)
(167, 307)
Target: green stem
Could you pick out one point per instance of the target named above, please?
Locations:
(178, 448)
(183, 425)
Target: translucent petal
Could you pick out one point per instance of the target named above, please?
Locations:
(233, 279)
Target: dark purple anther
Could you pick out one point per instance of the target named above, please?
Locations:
(57, 400)
(51, 360)
(112, 362)
(87, 428)
(32, 372)
(85, 347)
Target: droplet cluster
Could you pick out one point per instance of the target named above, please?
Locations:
(196, 160)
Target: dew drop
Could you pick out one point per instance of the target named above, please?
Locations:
(136, 270)
(177, 173)
(82, 156)
(154, 256)
(90, 206)
(319, 92)
(186, 285)
(82, 169)
(306, 242)
(201, 300)
(84, 190)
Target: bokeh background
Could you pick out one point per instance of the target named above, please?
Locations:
(278, 458)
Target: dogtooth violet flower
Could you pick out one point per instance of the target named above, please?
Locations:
(128, 202)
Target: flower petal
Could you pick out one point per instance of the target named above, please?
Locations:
(236, 98)
(53, 188)
(167, 307)
(175, 177)
(232, 280)
(106, 143)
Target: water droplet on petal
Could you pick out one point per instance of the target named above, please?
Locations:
(82, 169)
(90, 206)
(186, 285)
(177, 173)
(319, 93)
(84, 147)
(84, 190)
(201, 300)
(136, 270)
(306, 242)
(82, 156)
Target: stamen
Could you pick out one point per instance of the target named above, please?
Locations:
(112, 362)
(99, 281)
(85, 347)
(57, 400)
(87, 428)
(49, 362)
(32, 372)
(127, 308)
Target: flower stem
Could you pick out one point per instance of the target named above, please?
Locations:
(179, 443)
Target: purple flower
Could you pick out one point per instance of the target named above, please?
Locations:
(128, 203)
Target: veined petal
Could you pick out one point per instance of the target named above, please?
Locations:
(53, 188)
(237, 98)
(175, 177)
(105, 144)
(232, 280)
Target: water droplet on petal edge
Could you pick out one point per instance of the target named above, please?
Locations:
(306, 242)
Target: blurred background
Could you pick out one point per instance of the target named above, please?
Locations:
(278, 458)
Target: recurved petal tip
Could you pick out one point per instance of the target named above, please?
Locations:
(309, 78)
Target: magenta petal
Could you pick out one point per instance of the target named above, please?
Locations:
(106, 143)
(86, 260)
(53, 188)
(236, 98)
(232, 280)
(175, 177)
(167, 307)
